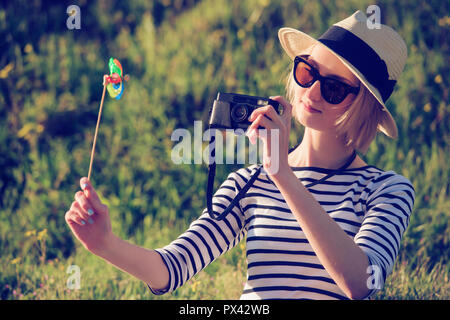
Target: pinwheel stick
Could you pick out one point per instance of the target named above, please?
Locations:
(96, 129)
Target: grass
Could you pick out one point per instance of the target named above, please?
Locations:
(31, 277)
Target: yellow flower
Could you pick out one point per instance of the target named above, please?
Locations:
(6, 70)
(28, 48)
(15, 261)
(30, 233)
(444, 21)
(42, 234)
(427, 107)
(194, 286)
(29, 129)
(438, 79)
(241, 34)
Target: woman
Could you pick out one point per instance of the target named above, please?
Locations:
(312, 231)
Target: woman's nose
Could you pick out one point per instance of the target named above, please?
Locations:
(313, 92)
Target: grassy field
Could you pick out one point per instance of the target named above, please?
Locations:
(179, 54)
(33, 279)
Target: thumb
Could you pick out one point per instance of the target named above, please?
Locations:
(92, 196)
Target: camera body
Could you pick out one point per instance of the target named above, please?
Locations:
(232, 110)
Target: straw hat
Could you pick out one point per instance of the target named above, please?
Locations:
(375, 56)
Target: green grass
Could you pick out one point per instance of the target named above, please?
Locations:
(33, 278)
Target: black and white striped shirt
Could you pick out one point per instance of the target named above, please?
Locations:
(372, 206)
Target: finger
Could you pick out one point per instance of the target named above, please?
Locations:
(251, 134)
(267, 137)
(272, 152)
(286, 104)
(256, 112)
(84, 203)
(267, 153)
(78, 210)
(92, 196)
(263, 121)
(72, 218)
(264, 134)
(266, 123)
(268, 111)
(268, 114)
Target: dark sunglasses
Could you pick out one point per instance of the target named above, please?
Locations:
(333, 91)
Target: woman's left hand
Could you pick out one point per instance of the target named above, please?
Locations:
(275, 136)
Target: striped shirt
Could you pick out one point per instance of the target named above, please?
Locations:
(371, 205)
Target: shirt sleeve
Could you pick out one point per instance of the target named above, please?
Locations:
(388, 208)
(206, 239)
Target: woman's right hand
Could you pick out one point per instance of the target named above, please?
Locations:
(88, 218)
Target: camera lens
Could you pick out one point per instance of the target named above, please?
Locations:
(239, 112)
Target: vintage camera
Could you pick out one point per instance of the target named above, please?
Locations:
(232, 110)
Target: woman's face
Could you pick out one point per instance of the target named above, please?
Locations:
(309, 107)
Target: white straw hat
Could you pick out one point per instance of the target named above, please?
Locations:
(376, 56)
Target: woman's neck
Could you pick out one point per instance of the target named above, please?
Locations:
(320, 149)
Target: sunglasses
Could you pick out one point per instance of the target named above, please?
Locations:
(333, 91)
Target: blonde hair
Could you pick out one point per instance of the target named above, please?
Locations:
(358, 125)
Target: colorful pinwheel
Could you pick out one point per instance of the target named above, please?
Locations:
(115, 79)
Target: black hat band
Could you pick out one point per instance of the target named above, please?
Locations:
(361, 56)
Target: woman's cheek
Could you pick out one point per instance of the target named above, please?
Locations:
(297, 105)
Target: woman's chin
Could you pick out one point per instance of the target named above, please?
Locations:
(311, 122)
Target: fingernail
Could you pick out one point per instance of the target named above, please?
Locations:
(90, 221)
(84, 186)
(83, 222)
(90, 212)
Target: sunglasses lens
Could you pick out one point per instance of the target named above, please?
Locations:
(303, 75)
(333, 91)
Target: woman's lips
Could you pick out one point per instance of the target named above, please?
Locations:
(310, 109)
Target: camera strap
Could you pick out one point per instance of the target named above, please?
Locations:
(243, 191)
(334, 172)
(210, 186)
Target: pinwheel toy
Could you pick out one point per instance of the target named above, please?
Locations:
(114, 84)
(114, 81)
